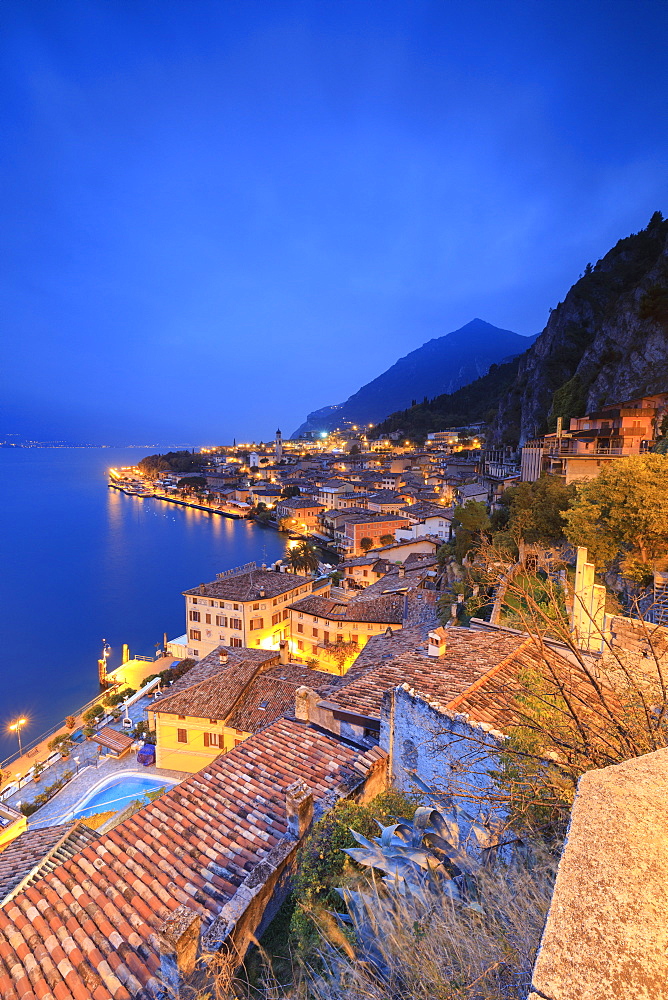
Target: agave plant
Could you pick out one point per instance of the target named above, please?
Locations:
(425, 861)
(429, 847)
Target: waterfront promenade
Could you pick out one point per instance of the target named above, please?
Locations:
(149, 494)
(16, 769)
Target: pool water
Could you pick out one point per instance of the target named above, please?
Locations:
(119, 794)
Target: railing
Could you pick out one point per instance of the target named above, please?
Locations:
(25, 752)
(566, 451)
(247, 567)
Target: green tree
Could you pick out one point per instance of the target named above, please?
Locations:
(623, 514)
(473, 517)
(533, 511)
(290, 491)
(366, 544)
(308, 557)
(295, 558)
(342, 651)
(386, 539)
(153, 465)
(191, 484)
(472, 527)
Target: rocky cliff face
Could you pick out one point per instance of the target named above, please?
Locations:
(606, 342)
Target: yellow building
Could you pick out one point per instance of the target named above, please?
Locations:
(334, 633)
(244, 607)
(240, 693)
(12, 823)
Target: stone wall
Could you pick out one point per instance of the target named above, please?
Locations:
(445, 750)
(606, 936)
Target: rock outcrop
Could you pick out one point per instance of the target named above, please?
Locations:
(606, 342)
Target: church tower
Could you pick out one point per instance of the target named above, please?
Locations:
(279, 446)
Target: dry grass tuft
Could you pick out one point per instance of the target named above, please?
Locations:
(444, 951)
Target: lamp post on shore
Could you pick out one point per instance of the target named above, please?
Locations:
(15, 727)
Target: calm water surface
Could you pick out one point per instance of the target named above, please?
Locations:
(82, 563)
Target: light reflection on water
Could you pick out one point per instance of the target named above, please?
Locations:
(83, 563)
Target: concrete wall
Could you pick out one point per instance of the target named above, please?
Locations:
(606, 936)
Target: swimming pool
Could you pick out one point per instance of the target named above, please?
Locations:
(118, 792)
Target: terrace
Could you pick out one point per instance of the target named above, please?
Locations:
(86, 765)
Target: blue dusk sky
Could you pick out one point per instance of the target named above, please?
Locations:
(217, 216)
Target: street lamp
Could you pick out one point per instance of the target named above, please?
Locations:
(15, 727)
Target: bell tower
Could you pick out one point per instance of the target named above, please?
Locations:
(279, 446)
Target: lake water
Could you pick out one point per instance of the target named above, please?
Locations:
(81, 563)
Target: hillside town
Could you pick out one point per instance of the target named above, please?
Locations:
(395, 648)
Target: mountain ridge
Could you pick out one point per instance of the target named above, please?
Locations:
(441, 365)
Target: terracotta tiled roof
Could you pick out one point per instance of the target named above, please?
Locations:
(247, 586)
(36, 851)
(423, 509)
(299, 503)
(213, 698)
(420, 559)
(469, 656)
(382, 610)
(322, 607)
(492, 699)
(112, 739)
(89, 928)
(369, 560)
(210, 665)
(413, 575)
(272, 695)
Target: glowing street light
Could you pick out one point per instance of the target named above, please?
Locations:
(15, 727)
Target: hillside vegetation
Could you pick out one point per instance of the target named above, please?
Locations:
(474, 403)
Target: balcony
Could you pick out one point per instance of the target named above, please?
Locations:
(570, 449)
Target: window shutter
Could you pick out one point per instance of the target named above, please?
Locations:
(206, 739)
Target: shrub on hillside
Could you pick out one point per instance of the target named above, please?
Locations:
(321, 862)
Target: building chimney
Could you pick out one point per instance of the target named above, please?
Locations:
(305, 704)
(438, 642)
(223, 656)
(263, 592)
(284, 647)
(178, 942)
(402, 572)
(202, 588)
(299, 808)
